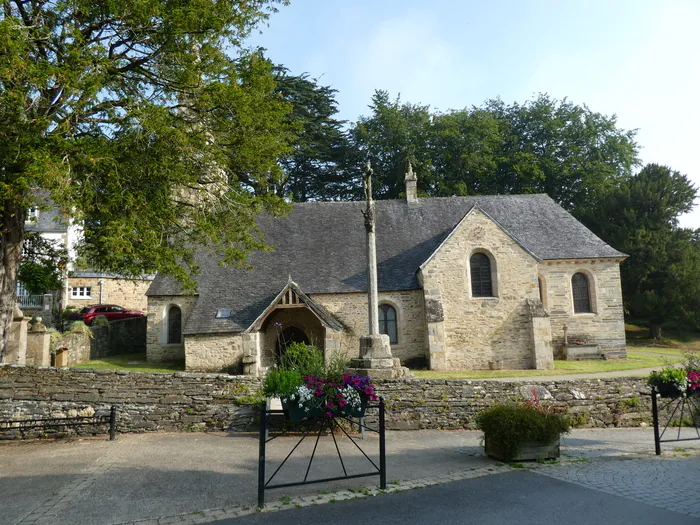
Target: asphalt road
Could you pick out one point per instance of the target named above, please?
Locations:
(525, 498)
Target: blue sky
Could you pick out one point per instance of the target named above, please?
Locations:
(637, 59)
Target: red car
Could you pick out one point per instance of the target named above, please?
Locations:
(111, 311)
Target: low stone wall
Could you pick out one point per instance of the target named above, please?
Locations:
(191, 401)
(123, 336)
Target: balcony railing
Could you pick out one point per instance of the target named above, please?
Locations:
(30, 301)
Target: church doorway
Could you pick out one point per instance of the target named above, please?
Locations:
(288, 336)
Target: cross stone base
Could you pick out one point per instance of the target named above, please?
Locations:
(376, 360)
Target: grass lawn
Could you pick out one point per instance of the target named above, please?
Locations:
(634, 360)
(132, 363)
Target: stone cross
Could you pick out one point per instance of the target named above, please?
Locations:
(373, 296)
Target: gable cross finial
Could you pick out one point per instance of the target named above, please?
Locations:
(409, 174)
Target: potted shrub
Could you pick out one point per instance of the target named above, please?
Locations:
(520, 432)
(669, 381)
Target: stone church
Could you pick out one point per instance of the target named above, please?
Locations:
(487, 282)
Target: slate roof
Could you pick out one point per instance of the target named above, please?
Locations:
(321, 246)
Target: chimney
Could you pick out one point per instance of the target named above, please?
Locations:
(411, 181)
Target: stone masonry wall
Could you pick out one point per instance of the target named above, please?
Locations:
(606, 326)
(351, 310)
(157, 348)
(479, 331)
(123, 292)
(190, 401)
(214, 353)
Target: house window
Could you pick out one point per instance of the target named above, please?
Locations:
(20, 289)
(81, 292)
(32, 214)
(174, 325)
(582, 294)
(480, 271)
(387, 322)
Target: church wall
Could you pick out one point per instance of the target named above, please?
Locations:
(481, 332)
(351, 310)
(214, 353)
(605, 326)
(157, 349)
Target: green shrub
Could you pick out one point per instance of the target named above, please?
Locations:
(101, 320)
(508, 426)
(306, 359)
(669, 380)
(281, 383)
(79, 327)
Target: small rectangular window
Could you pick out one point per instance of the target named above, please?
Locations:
(223, 313)
(81, 292)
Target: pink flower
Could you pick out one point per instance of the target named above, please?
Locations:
(342, 402)
(329, 414)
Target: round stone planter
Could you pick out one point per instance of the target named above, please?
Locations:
(529, 450)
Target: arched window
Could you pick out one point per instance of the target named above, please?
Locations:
(582, 293)
(480, 268)
(174, 325)
(387, 322)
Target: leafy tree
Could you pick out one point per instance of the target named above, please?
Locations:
(43, 264)
(542, 146)
(313, 169)
(140, 125)
(393, 135)
(640, 218)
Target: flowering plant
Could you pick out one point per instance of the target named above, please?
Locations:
(334, 393)
(694, 381)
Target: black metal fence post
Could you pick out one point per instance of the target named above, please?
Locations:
(382, 446)
(112, 423)
(261, 458)
(655, 416)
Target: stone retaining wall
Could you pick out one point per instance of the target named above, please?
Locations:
(192, 402)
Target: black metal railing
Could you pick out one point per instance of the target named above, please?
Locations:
(692, 405)
(56, 422)
(323, 424)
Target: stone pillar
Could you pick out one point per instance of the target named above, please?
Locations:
(435, 319)
(375, 349)
(16, 351)
(251, 353)
(38, 346)
(541, 332)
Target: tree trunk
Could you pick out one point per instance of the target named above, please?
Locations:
(12, 235)
(655, 330)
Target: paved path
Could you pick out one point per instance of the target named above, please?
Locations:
(198, 478)
(525, 498)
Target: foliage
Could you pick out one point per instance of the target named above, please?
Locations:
(542, 146)
(306, 359)
(42, 265)
(79, 327)
(669, 380)
(508, 426)
(146, 122)
(330, 394)
(281, 383)
(639, 217)
(692, 360)
(101, 320)
(313, 170)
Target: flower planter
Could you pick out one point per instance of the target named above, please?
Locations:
(295, 413)
(529, 450)
(670, 390)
